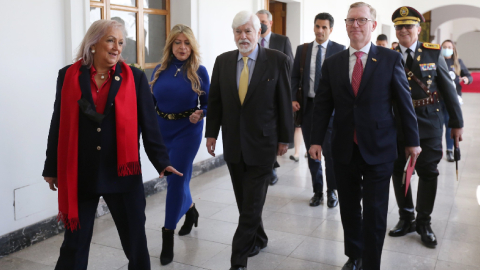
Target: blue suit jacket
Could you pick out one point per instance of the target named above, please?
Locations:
(370, 112)
(332, 48)
(97, 169)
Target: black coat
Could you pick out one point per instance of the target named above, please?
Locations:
(332, 48)
(430, 117)
(97, 169)
(370, 112)
(281, 43)
(265, 119)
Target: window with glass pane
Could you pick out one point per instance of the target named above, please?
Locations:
(155, 28)
(95, 14)
(130, 3)
(151, 20)
(129, 19)
(158, 4)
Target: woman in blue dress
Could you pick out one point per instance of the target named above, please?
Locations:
(180, 86)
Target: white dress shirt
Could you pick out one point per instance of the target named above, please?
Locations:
(404, 51)
(353, 58)
(267, 40)
(313, 60)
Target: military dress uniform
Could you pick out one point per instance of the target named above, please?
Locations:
(428, 77)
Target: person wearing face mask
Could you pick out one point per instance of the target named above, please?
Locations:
(459, 72)
(102, 106)
(180, 86)
(428, 79)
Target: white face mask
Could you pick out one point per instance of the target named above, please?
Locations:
(447, 52)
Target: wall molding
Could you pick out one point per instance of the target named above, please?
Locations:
(42, 230)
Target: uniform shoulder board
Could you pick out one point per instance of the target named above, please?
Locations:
(431, 46)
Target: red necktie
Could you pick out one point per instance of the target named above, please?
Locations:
(356, 79)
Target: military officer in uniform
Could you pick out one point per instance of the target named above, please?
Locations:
(427, 74)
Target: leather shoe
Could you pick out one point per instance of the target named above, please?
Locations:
(353, 264)
(254, 252)
(402, 228)
(294, 158)
(332, 199)
(428, 237)
(274, 179)
(450, 156)
(238, 268)
(317, 199)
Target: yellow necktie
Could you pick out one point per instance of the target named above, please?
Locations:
(243, 84)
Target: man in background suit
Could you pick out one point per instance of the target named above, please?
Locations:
(361, 84)
(276, 42)
(248, 94)
(322, 47)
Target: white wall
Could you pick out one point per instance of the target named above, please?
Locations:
(33, 50)
(466, 44)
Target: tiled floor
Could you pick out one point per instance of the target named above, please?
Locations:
(301, 237)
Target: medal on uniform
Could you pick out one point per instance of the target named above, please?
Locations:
(418, 58)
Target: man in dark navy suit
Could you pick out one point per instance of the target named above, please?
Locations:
(322, 47)
(361, 84)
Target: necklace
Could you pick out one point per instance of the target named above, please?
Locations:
(102, 75)
(178, 69)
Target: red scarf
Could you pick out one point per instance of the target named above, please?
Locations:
(126, 134)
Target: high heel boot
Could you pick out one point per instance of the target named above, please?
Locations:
(191, 217)
(166, 256)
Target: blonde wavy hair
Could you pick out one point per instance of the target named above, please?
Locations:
(193, 62)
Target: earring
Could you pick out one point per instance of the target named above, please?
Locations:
(93, 51)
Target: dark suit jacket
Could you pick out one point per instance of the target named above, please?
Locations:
(97, 170)
(281, 43)
(370, 112)
(430, 117)
(332, 48)
(254, 129)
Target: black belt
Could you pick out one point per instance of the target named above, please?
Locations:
(310, 98)
(175, 116)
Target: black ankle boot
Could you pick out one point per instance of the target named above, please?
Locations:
(166, 256)
(191, 217)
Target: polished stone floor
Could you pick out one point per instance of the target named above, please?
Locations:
(301, 237)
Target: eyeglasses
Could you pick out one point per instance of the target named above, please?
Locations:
(360, 21)
(407, 26)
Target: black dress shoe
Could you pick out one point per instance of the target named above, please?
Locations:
(274, 179)
(402, 228)
(353, 264)
(428, 237)
(332, 199)
(317, 199)
(294, 158)
(238, 268)
(450, 156)
(254, 252)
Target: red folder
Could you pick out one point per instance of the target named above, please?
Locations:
(407, 173)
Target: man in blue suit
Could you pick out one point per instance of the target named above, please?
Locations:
(361, 84)
(316, 53)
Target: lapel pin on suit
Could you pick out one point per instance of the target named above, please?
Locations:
(419, 50)
(418, 58)
(117, 78)
(374, 60)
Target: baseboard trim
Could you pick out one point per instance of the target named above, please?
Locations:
(37, 232)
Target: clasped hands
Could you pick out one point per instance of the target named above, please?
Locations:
(196, 116)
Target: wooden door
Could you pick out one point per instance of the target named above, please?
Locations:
(279, 17)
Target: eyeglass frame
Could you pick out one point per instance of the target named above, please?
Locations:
(358, 22)
(406, 26)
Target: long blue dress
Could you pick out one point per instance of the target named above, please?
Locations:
(174, 94)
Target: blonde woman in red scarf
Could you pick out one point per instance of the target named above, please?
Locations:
(102, 106)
